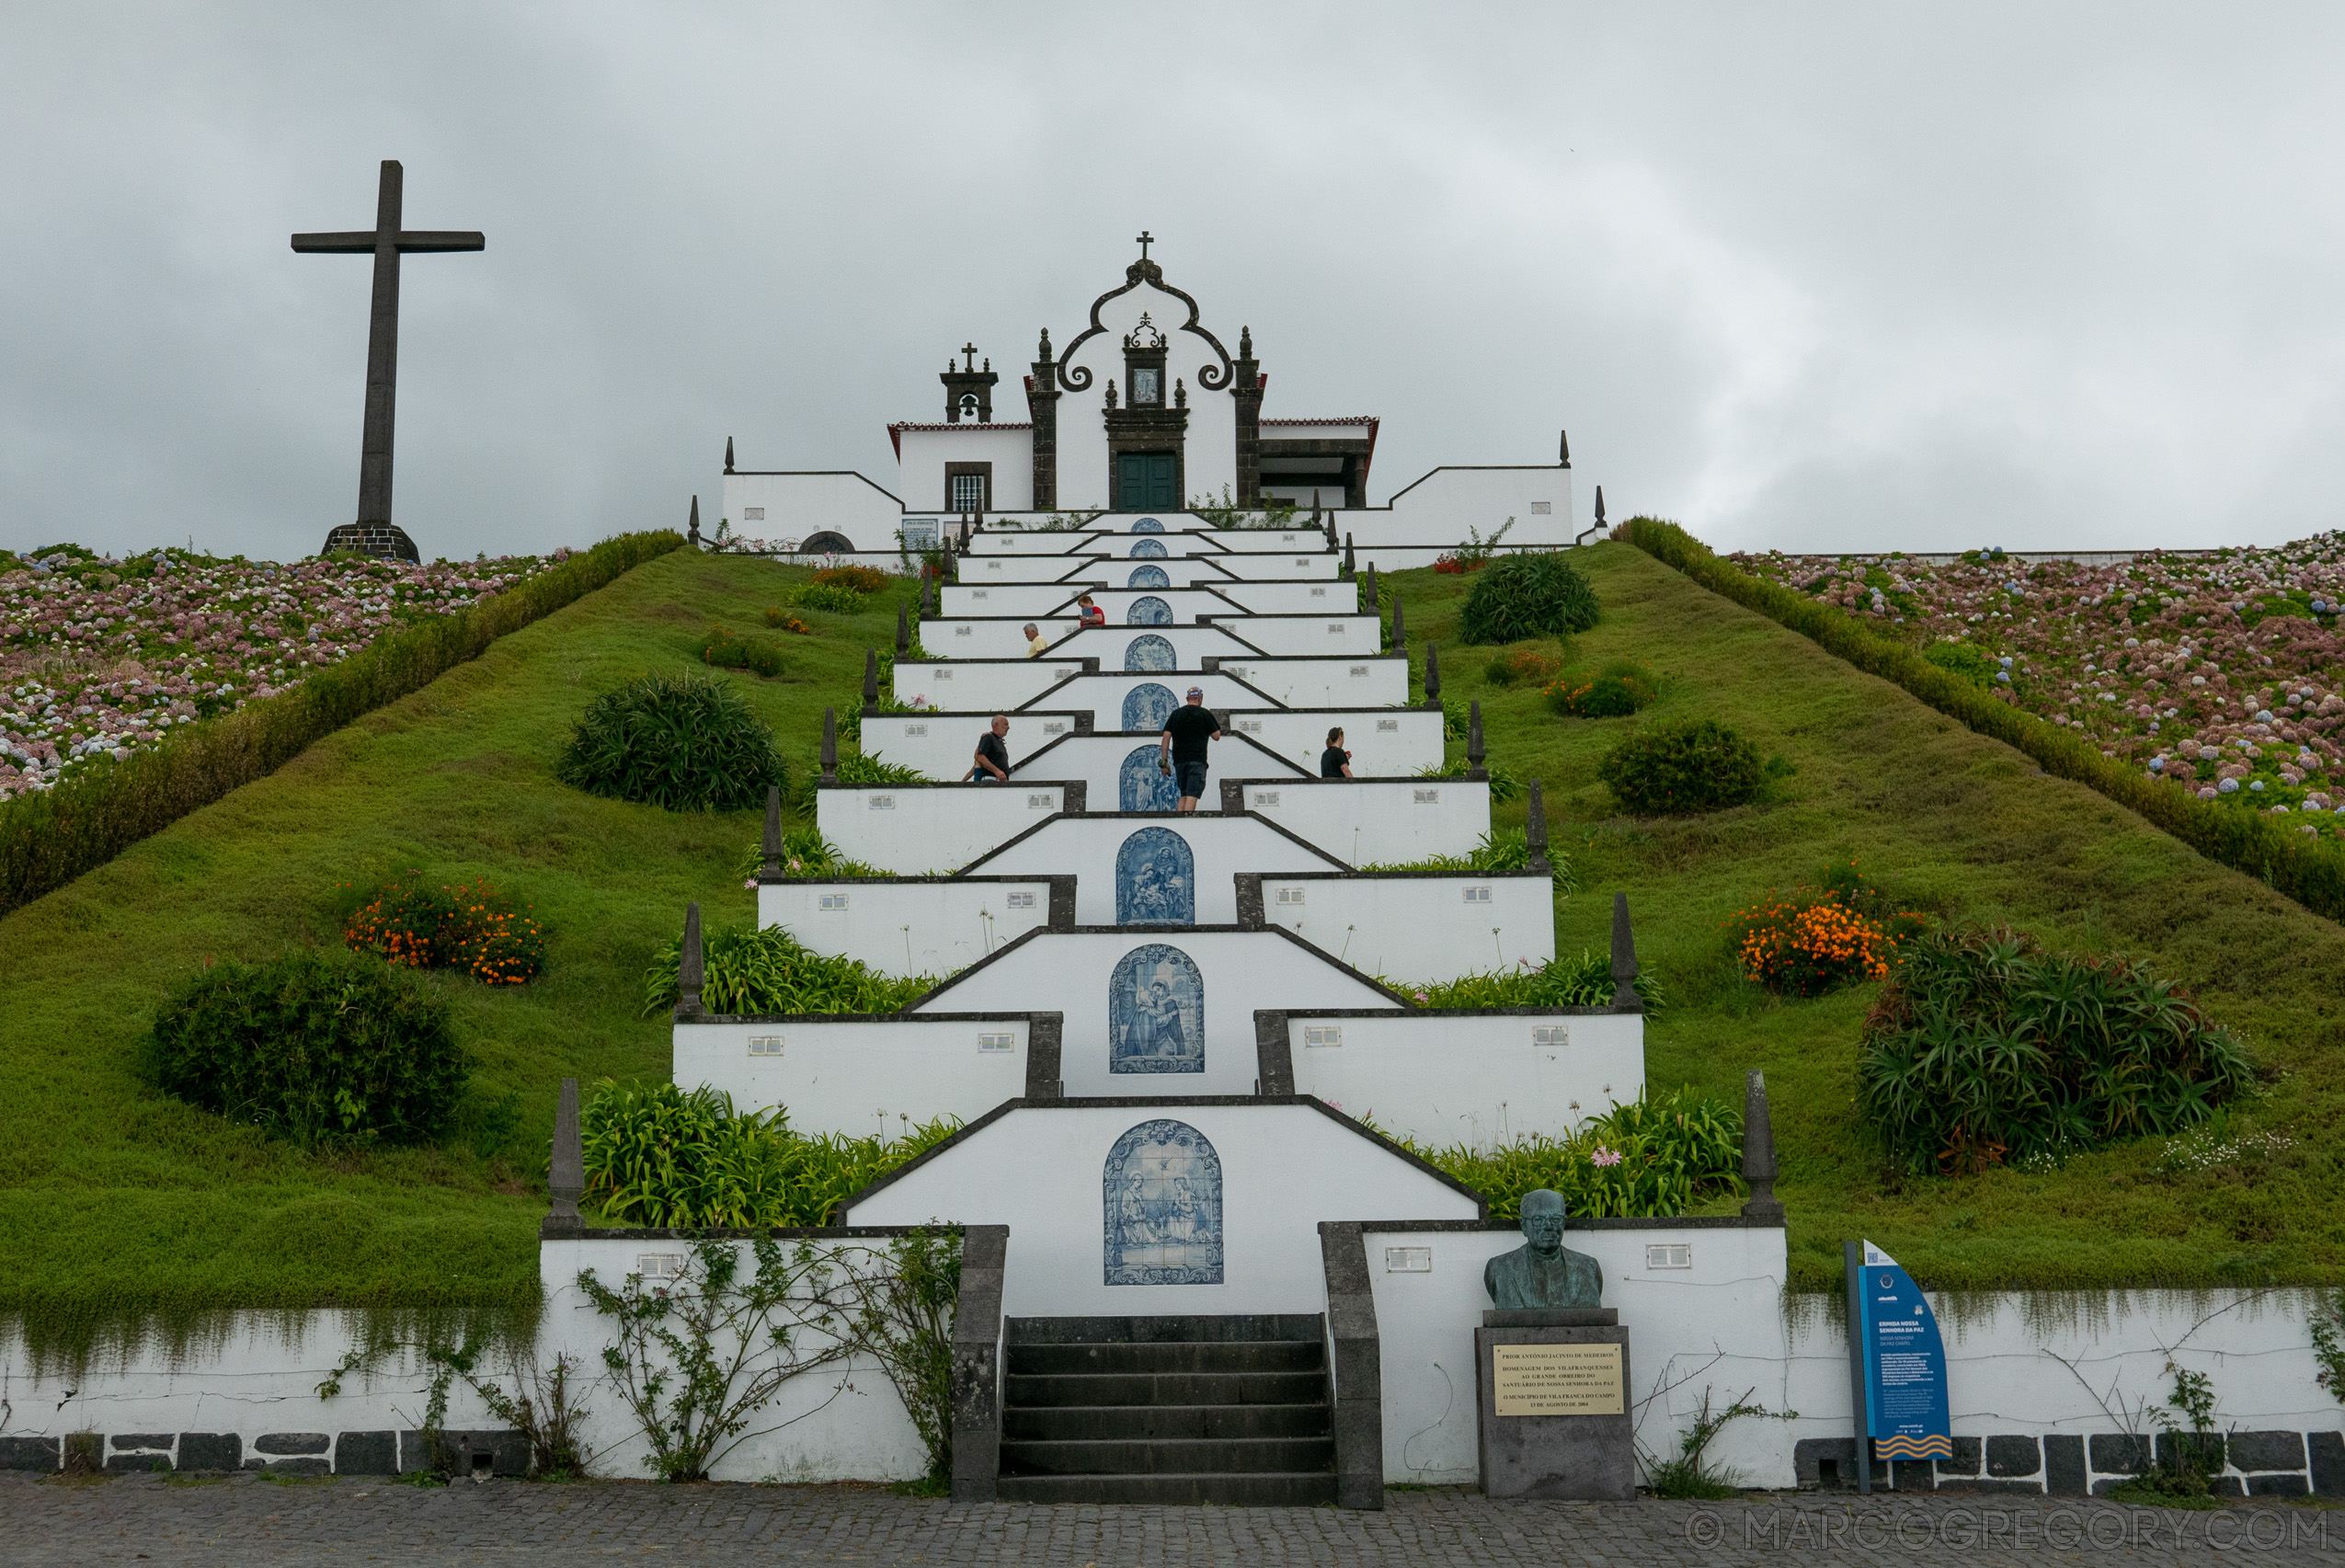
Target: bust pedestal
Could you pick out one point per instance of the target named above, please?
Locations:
(1552, 1390)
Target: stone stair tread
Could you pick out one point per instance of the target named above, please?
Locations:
(1169, 1456)
(1162, 1388)
(1048, 1422)
(1302, 1489)
(1226, 1355)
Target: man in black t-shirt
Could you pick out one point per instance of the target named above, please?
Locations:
(992, 758)
(1183, 748)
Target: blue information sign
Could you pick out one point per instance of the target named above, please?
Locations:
(1905, 1364)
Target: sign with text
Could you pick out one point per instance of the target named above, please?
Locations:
(1557, 1379)
(1905, 1364)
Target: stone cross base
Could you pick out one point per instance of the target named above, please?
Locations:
(1528, 1367)
(384, 541)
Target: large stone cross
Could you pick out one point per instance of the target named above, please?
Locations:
(374, 532)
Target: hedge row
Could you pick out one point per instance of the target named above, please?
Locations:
(49, 838)
(2271, 849)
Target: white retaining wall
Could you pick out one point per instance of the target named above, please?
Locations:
(986, 686)
(1086, 847)
(1284, 1167)
(1107, 643)
(859, 1076)
(943, 746)
(1440, 508)
(1099, 760)
(798, 506)
(1417, 927)
(1479, 1079)
(1301, 636)
(913, 829)
(1391, 743)
(1242, 972)
(1379, 821)
(1338, 680)
(923, 927)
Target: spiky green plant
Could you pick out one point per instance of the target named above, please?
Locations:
(769, 973)
(684, 742)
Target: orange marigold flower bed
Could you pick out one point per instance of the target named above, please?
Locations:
(468, 926)
(1807, 942)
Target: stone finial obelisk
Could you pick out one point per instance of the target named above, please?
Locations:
(831, 746)
(566, 1170)
(1399, 627)
(692, 528)
(691, 972)
(1624, 956)
(772, 869)
(1758, 1152)
(1370, 593)
(870, 679)
(1474, 770)
(728, 454)
(903, 629)
(1349, 567)
(1535, 828)
(1431, 669)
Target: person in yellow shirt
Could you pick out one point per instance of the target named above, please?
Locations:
(1035, 641)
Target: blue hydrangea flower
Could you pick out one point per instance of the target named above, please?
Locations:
(2228, 786)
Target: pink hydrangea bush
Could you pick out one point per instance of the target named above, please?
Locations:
(2220, 672)
(101, 656)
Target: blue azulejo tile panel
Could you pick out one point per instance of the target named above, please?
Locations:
(1156, 880)
(1156, 1012)
(1148, 705)
(1148, 550)
(1149, 610)
(1162, 1192)
(1150, 577)
(1142, 784)
(1148, 525)
(1151, 653)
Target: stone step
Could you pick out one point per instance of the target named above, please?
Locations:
(1308, 1489)
(1229, 1356)
(1163, 1387)
(1198, 1327)
(1176, 1456)
(1040, 1423)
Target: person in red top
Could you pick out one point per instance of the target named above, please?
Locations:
(1092, 615)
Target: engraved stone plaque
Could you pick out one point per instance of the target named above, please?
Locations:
(1557, 1379)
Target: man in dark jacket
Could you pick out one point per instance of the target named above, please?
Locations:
(1182, 748)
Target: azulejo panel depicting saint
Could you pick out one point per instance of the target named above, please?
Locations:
(1142, 784)
(1148, 525)
(1149, 610)
(1155, 874)
(1156, 1012)
(1150, 653)
(1148, 549)
(1147, 706)
(1150, 577)
(1162, 1192)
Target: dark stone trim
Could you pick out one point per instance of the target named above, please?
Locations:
(32, 1453)
(729, 1018)
(1273, 1056)
(977, 1363)
(632, 1234)
(1314, 446)
(908, 876)
(1382, 875)
(1634, 1222)
(1250, 910)
(825, 474)
(1357, 1363)
(983, 470)
(2064, 1465)
(1062, 903)
(1607, 1011)
(2328, 1461)
(1042, 407)
(1142, 271)
(1045, 1051)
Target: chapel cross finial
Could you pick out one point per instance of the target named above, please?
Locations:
(1145, 240)
(969, 362)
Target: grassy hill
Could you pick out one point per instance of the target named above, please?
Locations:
(114, 1200)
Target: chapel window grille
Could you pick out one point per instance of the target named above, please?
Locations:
(968, 492)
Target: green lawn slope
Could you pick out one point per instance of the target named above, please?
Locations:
(116, 1202)
(1968, 830)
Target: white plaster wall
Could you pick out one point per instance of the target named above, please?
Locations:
(1262, 596)
(1442, 505)
(798, 505)
(1190, 644)
(1479, 1079)
(1210, 446)
(925, 453)
(1099, 760)
(1420, 928)
(1264, 541)
(841, 1422)
(943, 746)
(1103, 694)
(857, 1077)
(986, 686)
(2005, 1354)
(1018, 569)
(1086, 846)
(913, 829)
(1308, 636)
(980, 637)
(1394, 743)
(1242, 971)
(1327, 680)
(1048, 603)
(1726, 1306)
(1379, 821)
(1284, 1168)
(1180, 538)
(906, 928)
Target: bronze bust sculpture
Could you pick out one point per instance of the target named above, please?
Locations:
(1543, 1272)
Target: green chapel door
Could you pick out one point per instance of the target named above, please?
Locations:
(1144, 482)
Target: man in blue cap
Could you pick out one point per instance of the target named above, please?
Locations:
(1182, 749)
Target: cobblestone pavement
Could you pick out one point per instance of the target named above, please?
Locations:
(254, 1524)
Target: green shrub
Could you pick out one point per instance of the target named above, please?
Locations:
(837, 598)
(854, 768)
(723, 650)
(1527, 596)
(48, 837)
(314, 1046)
(659, 1155)
(1504, 785)
(806, 854)
(769, 973)
(1963, 659)
(1676, 768)
(1584, 980)
(1502, 849)
(1529, 666)
(684, 742)
(1620, 688)
(1654, 1156)
(470, 926)
(1984, 1050)
(854, 578)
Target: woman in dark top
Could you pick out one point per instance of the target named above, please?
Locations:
(1335, 762)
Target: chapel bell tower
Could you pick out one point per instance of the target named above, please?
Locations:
(968, 391)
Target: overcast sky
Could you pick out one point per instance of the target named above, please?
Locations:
(1832, 276)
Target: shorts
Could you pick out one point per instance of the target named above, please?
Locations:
(1192, 777)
